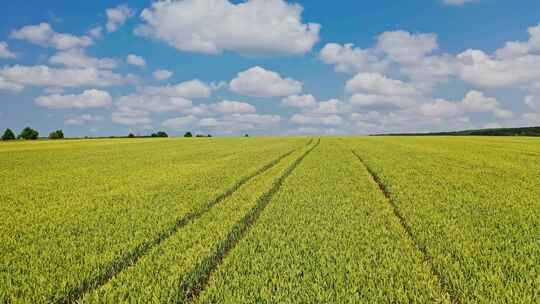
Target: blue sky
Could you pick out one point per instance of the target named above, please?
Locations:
(268, 67)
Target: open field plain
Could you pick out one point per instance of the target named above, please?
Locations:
(271, 220)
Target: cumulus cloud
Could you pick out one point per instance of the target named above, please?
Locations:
(179, 123)
(240, 122)
(79, 59)
(404, 47)
(382, 101)
(136, 60)
(349, 59)
(43, 35)
(162, 74)
(88, 99)
(6, 85)
(332, 106)
(117, 16)
(96, 32)
(131, 117)
(5, 52)
(79, 120)
(533, 102)
(229, 107)
(258, 82)
(136, 108)
(473, 102)
(482, 70)
(252, 27)
(373, 83)
(300, 101)
(409, 54)
(41, 75)
(313, 119)
(187, 89)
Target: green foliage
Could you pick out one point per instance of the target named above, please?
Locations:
(29, 134)
(131, 135)
(159, 134)
(58, 134)
(188, 134)
(8, 135)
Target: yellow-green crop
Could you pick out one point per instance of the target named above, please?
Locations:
(271, 220)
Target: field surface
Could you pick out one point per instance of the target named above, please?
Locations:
(271, 220)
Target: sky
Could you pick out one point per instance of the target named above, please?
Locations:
(268, 67)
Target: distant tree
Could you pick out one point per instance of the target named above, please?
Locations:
(188, 134)
(200, 135)
(58, 134)
(29, 133)
(131, 135)
(209, 135)
(8, 135)
(154, 135)
(162, 134)
(247, 135)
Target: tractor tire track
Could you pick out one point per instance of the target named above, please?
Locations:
(409, 232)
(196, 281)
(131, 258)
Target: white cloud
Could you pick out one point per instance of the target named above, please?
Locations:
(136, 60)
(88, 99)
(136, 108)
(153, 103)
(533, 102)
(240, 122)
(6, 85)
(162, 74)
(228, 107)
(250, 27)
(372, 83)
(382, 101)
(79, 59)
(179, 123)
(482, 70)
(187, 89)
(41, 75)
(131, 117)
(5, 52)
(396, 51)
(349, 59)
(311, 119)
(96, 32)
(473, 102)
(79, 120)
(258, 82)
(407, 48)
(300, 101)
(117, 16)
(332, 106)
(43, 35)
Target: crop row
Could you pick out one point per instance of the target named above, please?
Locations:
(328, 236)
(472, 204)
(84, 212)
(175, 271)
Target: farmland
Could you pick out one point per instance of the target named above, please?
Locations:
(299, 220)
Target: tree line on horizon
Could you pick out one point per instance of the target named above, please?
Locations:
(31, 134)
